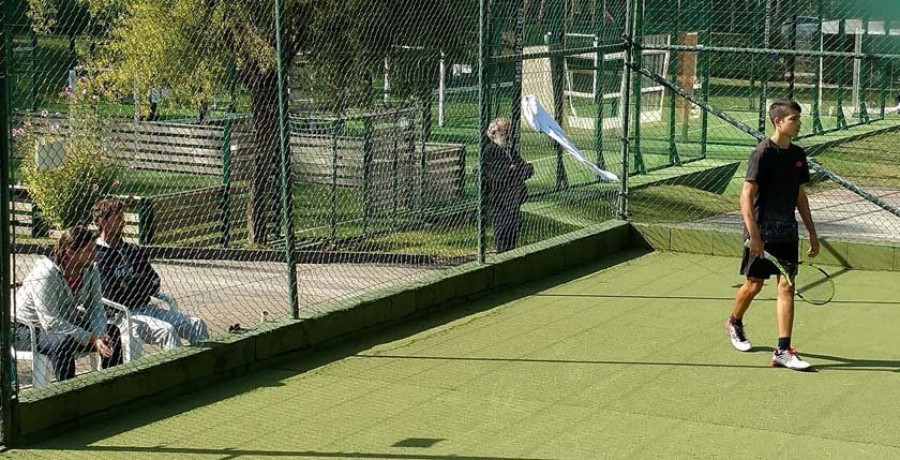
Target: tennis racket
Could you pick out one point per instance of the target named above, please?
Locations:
(811, 282)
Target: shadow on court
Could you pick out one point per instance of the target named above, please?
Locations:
(851, 364)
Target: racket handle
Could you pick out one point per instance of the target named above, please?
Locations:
(765, 253)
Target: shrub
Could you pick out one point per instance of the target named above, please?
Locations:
(84, 171)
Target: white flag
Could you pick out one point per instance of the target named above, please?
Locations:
(541, 121)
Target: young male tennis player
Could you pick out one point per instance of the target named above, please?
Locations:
(773, 189)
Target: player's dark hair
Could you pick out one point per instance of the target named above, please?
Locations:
(73, 239)
(105, 209)
(781, 109)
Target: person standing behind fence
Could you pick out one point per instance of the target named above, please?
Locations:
(60, 298)
(505, 173)
(129, 279)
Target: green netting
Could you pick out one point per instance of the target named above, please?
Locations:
(274, 157)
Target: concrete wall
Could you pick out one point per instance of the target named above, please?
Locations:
(722, 242)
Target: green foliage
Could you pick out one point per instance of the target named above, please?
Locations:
(199, 49)
(66, 193)
(42, 14)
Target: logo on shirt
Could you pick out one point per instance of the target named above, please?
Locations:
(799, 164)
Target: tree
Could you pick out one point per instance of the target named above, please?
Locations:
(194, 47)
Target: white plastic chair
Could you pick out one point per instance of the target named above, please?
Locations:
(132, 345)
(41, 367)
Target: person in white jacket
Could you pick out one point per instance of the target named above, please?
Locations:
(60, 298)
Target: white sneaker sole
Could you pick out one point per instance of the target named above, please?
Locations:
(775, 363)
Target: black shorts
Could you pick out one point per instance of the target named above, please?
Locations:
(760, 268)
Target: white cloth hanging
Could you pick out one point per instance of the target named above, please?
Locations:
(541, 121)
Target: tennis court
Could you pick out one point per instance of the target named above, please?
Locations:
(623, 358)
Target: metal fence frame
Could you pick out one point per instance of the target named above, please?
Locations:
(488, 76)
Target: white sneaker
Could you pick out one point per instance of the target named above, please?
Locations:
(737, 335)
(789, 359)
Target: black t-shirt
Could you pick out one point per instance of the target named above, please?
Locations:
(779, 174)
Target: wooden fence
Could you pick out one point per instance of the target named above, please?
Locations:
(166, 146)
(26, 219)
(388, 163)
(379, 153)
(195, 218)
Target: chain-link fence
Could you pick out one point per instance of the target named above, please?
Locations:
(732, 60)
(242, 162)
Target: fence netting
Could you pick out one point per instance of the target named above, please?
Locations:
(245, 163)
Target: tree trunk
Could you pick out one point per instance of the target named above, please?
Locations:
(263, 209)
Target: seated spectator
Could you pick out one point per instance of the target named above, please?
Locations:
(60, 297)
(129, 279)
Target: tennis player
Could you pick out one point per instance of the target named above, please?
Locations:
(773, 189)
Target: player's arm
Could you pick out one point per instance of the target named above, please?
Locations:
(806, 216)
(748, 193)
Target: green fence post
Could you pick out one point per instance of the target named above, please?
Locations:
(628, 64)
(865, 65)
(558, 38)
(484, 117)
(32, 70)
(496, 41)
(287, 202)
(367, 171)
(232, 86)
(792, 59)
(409, 160)
(882, 95)
(637, 80)
(337, 126)
(515, 134)
(226, 183)
(673, 78)
(395, 163)
(598, 87)
(754, 61)
(817, 97)
(842, 40)
(145, 220)
(707, 65)
(8, 381)
(764, 80)
(423, 164)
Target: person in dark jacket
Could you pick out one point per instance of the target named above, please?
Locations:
(505, 175)
(130, 280)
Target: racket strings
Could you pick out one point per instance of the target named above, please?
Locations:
(813, 285)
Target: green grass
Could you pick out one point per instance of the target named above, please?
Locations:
(676, 203)
(153, 183)
(870, 162)
(456, 240)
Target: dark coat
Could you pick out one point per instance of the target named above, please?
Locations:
(505, 175)
(126, 274)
